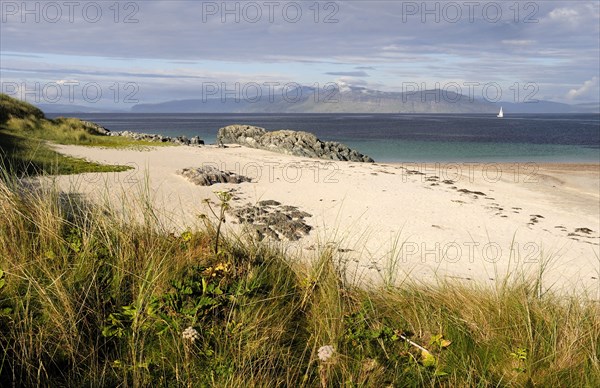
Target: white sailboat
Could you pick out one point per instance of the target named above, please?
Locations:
(500, 114)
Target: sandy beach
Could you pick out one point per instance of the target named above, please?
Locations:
(426, 222)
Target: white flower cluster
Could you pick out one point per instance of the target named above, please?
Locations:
(190, 334)
(325, 352)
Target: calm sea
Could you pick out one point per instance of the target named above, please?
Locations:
(403, 137)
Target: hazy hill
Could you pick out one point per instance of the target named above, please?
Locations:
(359, 100)
(73, 108)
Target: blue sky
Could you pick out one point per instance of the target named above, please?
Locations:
(153, 51)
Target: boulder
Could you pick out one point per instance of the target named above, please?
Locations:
(209, 175)
(240, 134)
(196, 141)
(95, 129)
(298, 143)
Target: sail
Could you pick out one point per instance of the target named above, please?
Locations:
(501, 114)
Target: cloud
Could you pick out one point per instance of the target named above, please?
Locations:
(20, 55)
(564, 14)
(584, 90)
(348, 73)
(347, 82)
(364, 29)
(102, 73)
(171, 48)
(518, 42)
(67, 81)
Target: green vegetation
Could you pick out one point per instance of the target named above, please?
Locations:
(91, 297)
(32, 156)
(25, 132)
(11, 107)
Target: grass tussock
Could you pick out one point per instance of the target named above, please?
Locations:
(89, 297)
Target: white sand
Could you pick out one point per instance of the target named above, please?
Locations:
(366, 207)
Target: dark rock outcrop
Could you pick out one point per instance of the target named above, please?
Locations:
(95, 129)
(271, 219)
(181, 140)
(209, 175)
(289, 142)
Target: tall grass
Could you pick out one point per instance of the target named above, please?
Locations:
(69, 131)
(25, 134)
(94, 297)
(12, 107)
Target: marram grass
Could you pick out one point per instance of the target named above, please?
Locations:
(25, 134)
(90, 297)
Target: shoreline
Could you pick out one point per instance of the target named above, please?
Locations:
(547, 165)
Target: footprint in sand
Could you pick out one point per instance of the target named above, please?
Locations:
(584, 230)
(582, 233)
(534, 219)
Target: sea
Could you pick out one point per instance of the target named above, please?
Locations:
(401, 137)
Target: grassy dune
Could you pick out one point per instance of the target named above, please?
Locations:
(25, 133)
(92, 298)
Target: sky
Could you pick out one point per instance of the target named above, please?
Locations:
(116, 54)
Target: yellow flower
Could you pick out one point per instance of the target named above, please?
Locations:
(219, 269)
(223, 267)
(186, 236)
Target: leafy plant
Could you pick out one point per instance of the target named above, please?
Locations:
(520, 356)
(224, 205)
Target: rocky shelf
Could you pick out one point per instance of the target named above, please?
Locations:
(272, 219)
(209, 175)
(182, 140)
(289, 142)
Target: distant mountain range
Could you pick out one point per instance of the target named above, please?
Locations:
(73, 108)
(349, 100)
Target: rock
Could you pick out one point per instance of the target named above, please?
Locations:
(95, 129)
(196, 141)
(209, 175)
(181, 140)
(269, 218)
(240, 134)
(298, 143)
(269, 202)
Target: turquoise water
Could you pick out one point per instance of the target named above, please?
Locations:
(403, 137)
(428, 151)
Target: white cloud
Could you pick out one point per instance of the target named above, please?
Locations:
(589, 85)
(67, 81)
(564, 14)
(345, 83)
(518, 42)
